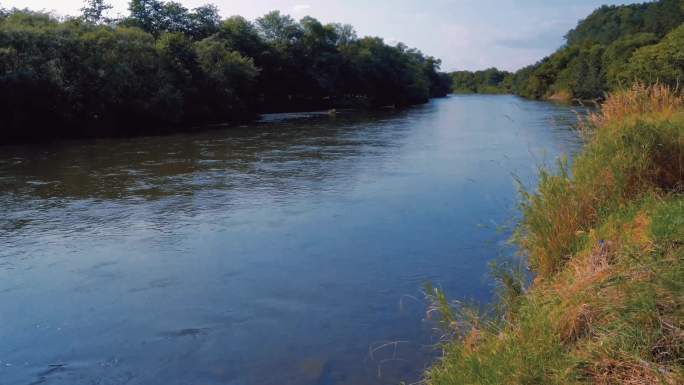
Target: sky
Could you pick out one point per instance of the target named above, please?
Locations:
(465, 34)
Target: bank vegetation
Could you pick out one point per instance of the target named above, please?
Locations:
(167, 68)
(604, 241)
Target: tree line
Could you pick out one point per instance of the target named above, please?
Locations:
(164, 67)
(609, 50)
(489, 81)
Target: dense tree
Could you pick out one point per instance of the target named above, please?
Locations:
(344, 33)
(386, 75)
(610, 49)
(489, 81)
(227, 88)
(609, 23)
(587, 79)
(165, 67)
(204, 21)
(617, 54)
(598, 50)
(181, 76)
(241, 35)
(440, 83)
(279, 30)
(146, 14)
(157, 17)
(93, 11)
(659, 63)
(174, 17)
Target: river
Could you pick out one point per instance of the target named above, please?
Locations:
(291, 251)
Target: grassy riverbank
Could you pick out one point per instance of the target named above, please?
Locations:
(605, 240)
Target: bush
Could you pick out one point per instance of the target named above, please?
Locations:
(660, 63)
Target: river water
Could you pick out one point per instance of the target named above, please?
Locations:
(292, 251)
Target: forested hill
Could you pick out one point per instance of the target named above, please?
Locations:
(164, 67)
(609, 50)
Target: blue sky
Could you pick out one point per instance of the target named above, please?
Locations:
(465, 34)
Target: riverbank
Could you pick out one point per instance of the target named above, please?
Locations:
(604, 239)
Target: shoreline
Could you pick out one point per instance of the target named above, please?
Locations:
(603, 240)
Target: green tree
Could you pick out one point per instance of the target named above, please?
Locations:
(93, 11)
(179, 74)
(617, 55)
(320, 56)
(156, 17)
(228, 81)
(166, 67)
(439, 83)
(205, 21)
(146, 14)
(240, 35)
(119, 77)
(174, 17)
(586, 74)
(615, 33)
(609, 23)
(662, 62)
(344, 33)
(278, 29)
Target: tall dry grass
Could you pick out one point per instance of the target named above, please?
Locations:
(635, 144)
(605, 238)
(639, 101)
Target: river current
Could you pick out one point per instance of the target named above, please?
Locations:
(290, 251)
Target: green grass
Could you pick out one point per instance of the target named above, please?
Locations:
(605, 239)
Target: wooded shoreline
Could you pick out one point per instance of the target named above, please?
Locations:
(165, 68)
(608, 51)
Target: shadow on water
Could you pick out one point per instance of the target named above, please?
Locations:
(291, 251)
(286, 155)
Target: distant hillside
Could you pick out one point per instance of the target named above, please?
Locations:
(610, 23)
(609, 50)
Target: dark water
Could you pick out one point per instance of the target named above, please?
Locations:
(288, 252)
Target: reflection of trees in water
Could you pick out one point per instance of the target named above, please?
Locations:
(76, 182)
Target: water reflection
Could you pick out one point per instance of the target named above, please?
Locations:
(205, 172)
(277, 253)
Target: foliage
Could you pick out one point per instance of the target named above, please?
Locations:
(156, 17)
(165, 67)
(616, 58)
(604, 239)
(659, 63)
(607, 51)
(227, 78)
(489, 81)
(93, 11)
(609, 23)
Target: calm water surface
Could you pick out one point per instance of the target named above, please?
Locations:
(287, 252)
